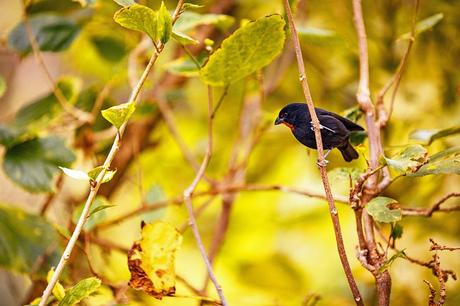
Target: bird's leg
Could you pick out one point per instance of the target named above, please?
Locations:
(324, 164)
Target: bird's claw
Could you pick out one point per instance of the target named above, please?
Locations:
(322, 163)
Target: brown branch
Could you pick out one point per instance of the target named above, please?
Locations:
(372, 187)
(50, 197)
(432, 294)
(97, 183)
(384, 117)
(212, 192)
(321, 161)
(437, 247)
(436, 207)
(188, 202)
(427, 264)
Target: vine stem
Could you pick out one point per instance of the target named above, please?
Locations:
(321, 161)
(188, 202)
(97, 183)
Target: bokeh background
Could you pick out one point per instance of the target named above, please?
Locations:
(279, 248)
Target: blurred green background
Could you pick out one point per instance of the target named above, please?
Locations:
(280, 247)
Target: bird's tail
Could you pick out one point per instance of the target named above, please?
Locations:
(348, 152)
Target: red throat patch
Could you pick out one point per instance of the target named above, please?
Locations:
(288, 125)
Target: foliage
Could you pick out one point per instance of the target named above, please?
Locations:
(260, 205)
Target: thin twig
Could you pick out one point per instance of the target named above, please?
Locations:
(396, 79)
(215, 191)
(188, 202)
(432, 294)
(97, 183)
(68, 108)
(219, 102)
(321, 161)
(436, 207)
(438, 247)
(49, 199)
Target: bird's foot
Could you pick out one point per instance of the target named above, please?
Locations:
(322, 163)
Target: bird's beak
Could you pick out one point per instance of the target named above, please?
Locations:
(278, 121)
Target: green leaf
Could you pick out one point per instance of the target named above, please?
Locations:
(184, 39)
(151, 260)
(164, 23)
(428, 136)
(424, 25)
(378, 208)
(190, 20)
(95, 216)
(247, 50)
(110, 48)
(58, 290)
(40, 114)
(185, 66)
(75, 174)
(52, 33)
(125, 2)
(410, 159)
(108, 175)
(396, 231)
(33, 163)
(80, 291)
(9, 136)
(119, 114)
(139, 18)
(2, 86)
(444, 162)
(24, 239)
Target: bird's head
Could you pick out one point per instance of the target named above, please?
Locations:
(291, 114)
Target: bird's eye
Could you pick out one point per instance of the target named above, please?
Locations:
(283, 115)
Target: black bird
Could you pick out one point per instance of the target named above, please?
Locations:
(335, 129)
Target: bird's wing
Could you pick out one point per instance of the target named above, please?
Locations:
(332, 124)
(350, 125)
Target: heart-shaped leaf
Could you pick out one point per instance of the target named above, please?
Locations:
(119, 114)
(247, 50)
(378, 208)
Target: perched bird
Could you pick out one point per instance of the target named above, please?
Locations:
(335, 129)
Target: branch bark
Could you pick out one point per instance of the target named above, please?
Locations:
(321, 161)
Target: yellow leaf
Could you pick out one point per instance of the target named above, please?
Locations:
(151, 260)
